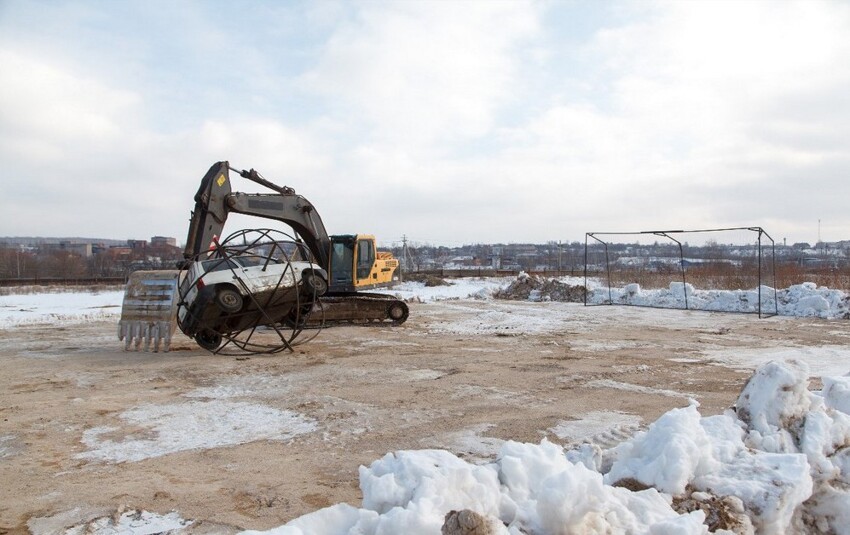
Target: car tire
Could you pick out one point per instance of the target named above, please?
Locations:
(298, 316)
(229, 300)
(314, 284)
(209, 340)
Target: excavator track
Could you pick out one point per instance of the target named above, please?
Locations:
(356, 308)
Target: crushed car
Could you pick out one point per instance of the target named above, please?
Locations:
(230, 294)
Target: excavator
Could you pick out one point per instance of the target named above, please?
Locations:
(351, 262)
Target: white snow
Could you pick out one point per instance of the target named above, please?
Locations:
(58, 307)
(158, 430)
(468, 442)
(823, 360)
(780, 464)
(466, 288)
(134, 522)
(593, 424)
(802, 300)
(99, 521)
(628, 387)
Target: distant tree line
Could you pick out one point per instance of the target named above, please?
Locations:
(56, 263)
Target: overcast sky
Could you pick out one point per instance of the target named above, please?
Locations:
(448, 122)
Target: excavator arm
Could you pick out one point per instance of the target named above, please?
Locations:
(215, 199)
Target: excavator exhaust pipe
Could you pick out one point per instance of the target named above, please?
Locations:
(149, 311)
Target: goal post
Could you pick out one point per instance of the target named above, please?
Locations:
(723, 270)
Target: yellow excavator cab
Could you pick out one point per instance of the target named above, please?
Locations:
(358, 265)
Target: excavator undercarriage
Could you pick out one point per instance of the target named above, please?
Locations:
(357, 308)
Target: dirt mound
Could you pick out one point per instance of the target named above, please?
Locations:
(726, 512)
(429, 280)
(468, 522)
(534, 288)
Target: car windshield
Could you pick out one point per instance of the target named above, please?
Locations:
(218, 264)
(249, 261)
(221, 264)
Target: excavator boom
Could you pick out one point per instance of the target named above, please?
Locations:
(215, 200)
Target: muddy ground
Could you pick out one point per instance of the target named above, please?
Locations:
(459, 375)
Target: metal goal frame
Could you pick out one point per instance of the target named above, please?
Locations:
(764, 243)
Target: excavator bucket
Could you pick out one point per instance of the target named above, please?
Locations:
(149, 312)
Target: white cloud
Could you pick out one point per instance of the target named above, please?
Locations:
(46, 106)
(81, 158)
(470, 121)
(424, 72)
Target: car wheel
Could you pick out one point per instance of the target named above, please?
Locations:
(229, 300)
(298, 316)
(209, 340)
(315, 284)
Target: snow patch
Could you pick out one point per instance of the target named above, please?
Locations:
(593, 424)
(628, 387)
(157, 430)
(59, 308)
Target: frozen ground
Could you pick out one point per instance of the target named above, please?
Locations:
(478, 382)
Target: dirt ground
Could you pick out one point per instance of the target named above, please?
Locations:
(459, 375)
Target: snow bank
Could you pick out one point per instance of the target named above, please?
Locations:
(803, 300)
(779, 463)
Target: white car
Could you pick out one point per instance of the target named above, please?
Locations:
(225, 295)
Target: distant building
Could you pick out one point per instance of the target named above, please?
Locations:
(118, 250)
(81, 249)
(160, 241)
(137, 244)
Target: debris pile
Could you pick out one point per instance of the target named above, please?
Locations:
(534, 288)
(426, 279)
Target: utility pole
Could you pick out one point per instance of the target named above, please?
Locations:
(404, 256)
(559, 258)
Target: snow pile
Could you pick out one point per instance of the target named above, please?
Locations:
(808, 299)
(805, 300)
(779, 463)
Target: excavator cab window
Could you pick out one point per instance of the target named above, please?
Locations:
(342, 262)
(365, 258)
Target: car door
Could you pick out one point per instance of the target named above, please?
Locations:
(262, 276)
